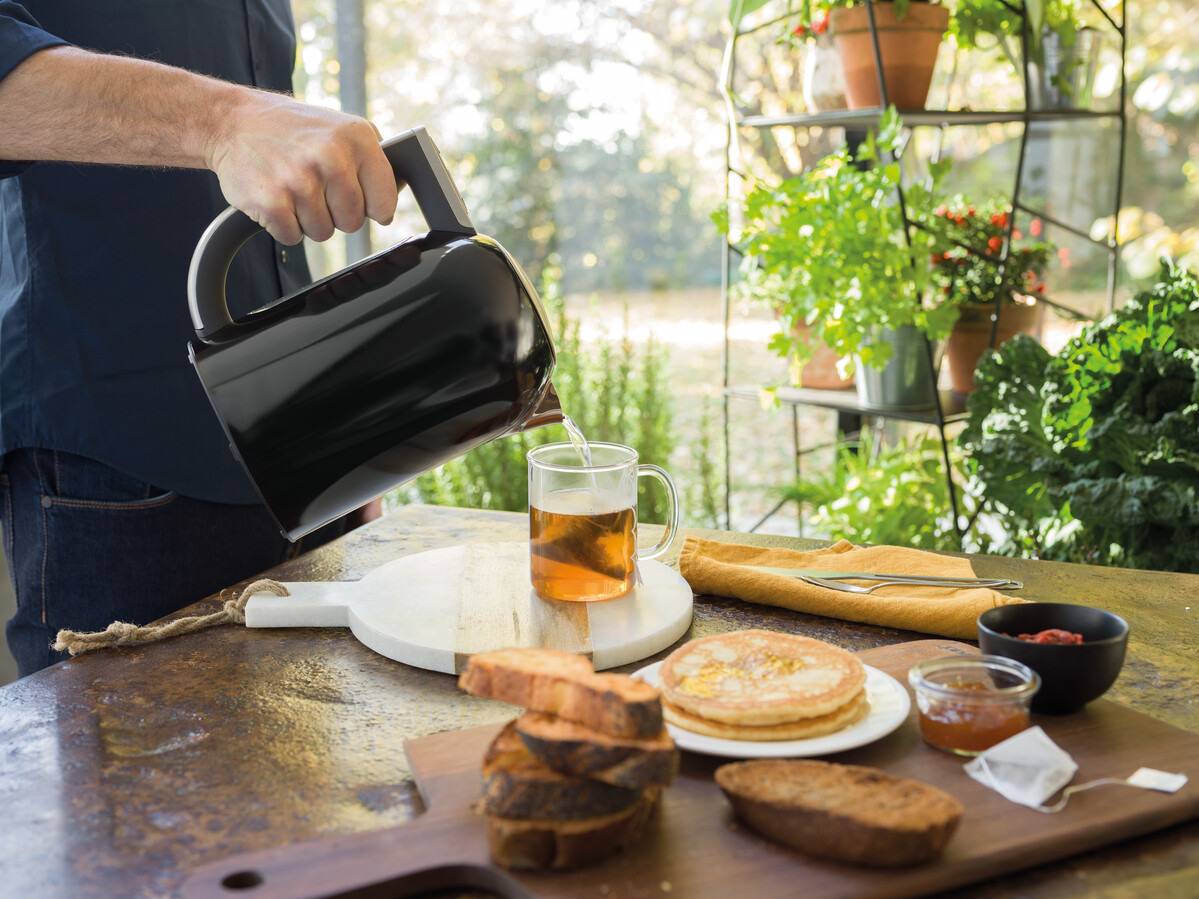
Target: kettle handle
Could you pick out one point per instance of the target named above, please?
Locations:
(416, 162)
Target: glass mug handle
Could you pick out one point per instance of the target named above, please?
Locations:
(672, 512)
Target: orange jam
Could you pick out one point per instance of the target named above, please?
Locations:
(961, 725)
(968, 703)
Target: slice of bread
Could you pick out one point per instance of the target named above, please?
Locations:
(758, 677)
(545, 844)
(805, 728)
(519, 785)
(845, 812)
(579, 751)
(563, 684)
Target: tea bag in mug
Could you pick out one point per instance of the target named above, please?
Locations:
(1029, 768)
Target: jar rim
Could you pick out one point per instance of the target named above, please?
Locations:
(1028, 681)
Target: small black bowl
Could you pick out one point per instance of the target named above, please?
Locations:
(1071, 675)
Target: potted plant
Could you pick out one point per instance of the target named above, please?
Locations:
(1061, 53)
(985, 292)
(909, 34)
(829, 248)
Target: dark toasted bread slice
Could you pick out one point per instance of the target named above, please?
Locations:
(851, 813)
(545, 844)
(519, 785)
(582, 752)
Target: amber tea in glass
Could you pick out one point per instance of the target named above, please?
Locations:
(583, 520)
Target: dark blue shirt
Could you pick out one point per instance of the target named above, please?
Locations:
(94, 321)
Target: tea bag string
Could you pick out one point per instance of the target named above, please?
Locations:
(1070, 791)
(121, 633)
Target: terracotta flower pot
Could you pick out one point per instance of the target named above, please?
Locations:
(971, 335)
(820, 372)
(908, 47)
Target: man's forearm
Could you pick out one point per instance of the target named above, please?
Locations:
(69, 105)
(293, 167)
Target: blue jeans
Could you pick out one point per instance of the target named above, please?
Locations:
(88, 545)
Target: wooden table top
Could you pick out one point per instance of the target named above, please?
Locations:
(123, 771)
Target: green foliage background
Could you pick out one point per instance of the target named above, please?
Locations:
(1092, 454)
(616, 391)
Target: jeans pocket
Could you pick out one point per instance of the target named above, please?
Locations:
(78, 482)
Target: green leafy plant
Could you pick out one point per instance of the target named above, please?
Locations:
(614, 390)
(1093, 453)
(893, 495)
(829, 249)
(813, 15)
(1004, 21)
(969, 271)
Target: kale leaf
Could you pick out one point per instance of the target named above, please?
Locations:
(1093, 453)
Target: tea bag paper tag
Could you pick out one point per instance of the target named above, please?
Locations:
(1152, 779)
(1027, 768)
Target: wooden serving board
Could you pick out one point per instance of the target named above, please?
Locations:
(695, 848)
(436, 609)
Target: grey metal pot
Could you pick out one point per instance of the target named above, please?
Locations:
(908, 382)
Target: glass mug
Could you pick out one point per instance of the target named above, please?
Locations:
(583, 520)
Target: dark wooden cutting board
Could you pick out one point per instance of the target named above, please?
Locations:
(695, 848)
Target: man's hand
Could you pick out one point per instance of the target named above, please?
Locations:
(301, 170)
(295, 169)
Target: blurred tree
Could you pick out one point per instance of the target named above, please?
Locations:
(578, 130)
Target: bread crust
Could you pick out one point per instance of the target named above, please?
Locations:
(563, 684)
(850, 813)
(758, 677)
(544, 844)
(519, 785)
(576, 750)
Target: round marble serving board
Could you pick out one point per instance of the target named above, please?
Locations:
(435, 609)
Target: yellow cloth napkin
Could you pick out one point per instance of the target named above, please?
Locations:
(711, 567)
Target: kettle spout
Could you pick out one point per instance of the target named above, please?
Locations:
(548, 412)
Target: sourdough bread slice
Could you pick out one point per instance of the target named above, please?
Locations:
(516, 784)
(563, 684)
(582, 752)
(846, 812)
(545, 844)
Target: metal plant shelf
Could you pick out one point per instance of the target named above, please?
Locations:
(952, 405)
(924, 118)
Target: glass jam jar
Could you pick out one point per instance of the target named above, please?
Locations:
(969, 703)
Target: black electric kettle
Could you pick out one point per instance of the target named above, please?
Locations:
(365, 379)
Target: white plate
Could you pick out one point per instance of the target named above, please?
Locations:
(889, 707)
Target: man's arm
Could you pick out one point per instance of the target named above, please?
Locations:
(294, 168)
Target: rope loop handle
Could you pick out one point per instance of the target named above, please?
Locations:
(122, 633)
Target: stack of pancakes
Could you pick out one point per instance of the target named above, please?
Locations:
(761, 685)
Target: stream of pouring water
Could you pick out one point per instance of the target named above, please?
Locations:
(579, 442)
(583, 448)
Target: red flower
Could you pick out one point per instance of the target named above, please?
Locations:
(820, 26)
(800, 30)
(941, 210)
(938, 258)
(995, 243)
(1034, 228)
(999, 220)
